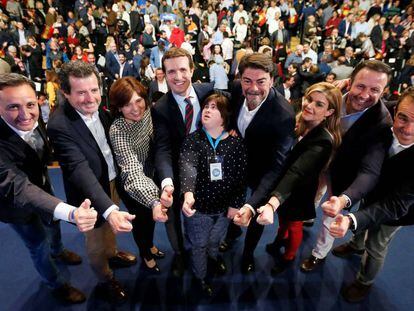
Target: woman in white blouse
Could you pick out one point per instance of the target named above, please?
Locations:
(240, 30)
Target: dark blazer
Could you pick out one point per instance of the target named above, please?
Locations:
(152, 88)
(170, 132)
(376, 36)
(268, 138)
(24, 181)
(111, 64)
(285, 36)
(358, 160)
(342, 28)
(392, 200)
(129, 70)
(85, 172)
(298, 183)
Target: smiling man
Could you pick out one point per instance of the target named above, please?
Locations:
(357, 163)
(265, 121)
(26, 200)
(388, 206)
(175, 116)
(79, 131)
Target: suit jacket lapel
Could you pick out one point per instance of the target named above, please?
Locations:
(79, 126)
(261, 113)
(175, 110)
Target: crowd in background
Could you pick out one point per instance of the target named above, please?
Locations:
(128, 38)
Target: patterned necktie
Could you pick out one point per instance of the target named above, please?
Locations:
(188, 115)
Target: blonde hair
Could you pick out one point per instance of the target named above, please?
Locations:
(333, 122)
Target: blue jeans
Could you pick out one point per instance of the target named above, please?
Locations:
(34, 237)
(205, 233)
(54, 237)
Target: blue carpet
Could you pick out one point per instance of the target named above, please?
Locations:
(21, 288)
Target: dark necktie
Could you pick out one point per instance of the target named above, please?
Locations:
(188, 115)
(35, 141)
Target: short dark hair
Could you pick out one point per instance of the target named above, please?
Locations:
(409, 92)
(175, 53)
(121, 93)
(257, 61)
(374, 65)
(222, 103)
(77, 69)
(14, 80)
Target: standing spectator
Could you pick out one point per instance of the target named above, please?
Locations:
(218, 73)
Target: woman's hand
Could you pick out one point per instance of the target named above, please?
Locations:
(188, 210)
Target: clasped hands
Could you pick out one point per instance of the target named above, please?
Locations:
(266, 214)
(159, 212)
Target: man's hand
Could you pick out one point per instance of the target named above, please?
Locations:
(266, 215)
(231, 212)
(85, 216)
(167, 196)
(243, 217)
(333, 206)
(188, 204)
(159, 213)
(120, 221)
(339, 227)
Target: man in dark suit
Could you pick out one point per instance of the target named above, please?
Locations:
(25, 193)
(176, 115)
(388, 206)
(266, 122)
(112, 62)
(78, 131)
(158, 85)
(376, 33)
(126, 68)
(357, 163)
(285, 89)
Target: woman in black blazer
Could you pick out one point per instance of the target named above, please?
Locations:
(318, 134)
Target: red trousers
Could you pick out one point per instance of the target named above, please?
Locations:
(292, 233)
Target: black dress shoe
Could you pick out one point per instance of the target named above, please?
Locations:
(247, 266)
(122, 260)
(310, 263)
(206, 288)
(218, 266)
(68, 258)
(69, 294)
(346, 250)
(112, 291)
(158, 254)
(273, 248)
(177, 266)
(146, 267)
(355, 292)
(281, 266)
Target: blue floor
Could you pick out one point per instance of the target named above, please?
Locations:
(21, 288)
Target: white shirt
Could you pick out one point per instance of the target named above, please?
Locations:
(227, 47)
(163, 86)
(22, 38)
(312, 55)
(246, 116)
(287, 92)
(94, 125)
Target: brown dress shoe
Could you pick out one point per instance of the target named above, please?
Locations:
(346, 250)
(122, 260)
(69, 294)
(112, 291)
(310, 263)
(355, 292)
(68, 257)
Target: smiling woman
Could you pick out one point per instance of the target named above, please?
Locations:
(131, 136)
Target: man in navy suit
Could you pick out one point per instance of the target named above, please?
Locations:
(126, 68)
(266, 122)
(26, 200)
(388, 206)
(79, 133)
(112, 62)
(357, 163)
(169, 116)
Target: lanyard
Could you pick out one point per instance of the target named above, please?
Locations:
(210, 139)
